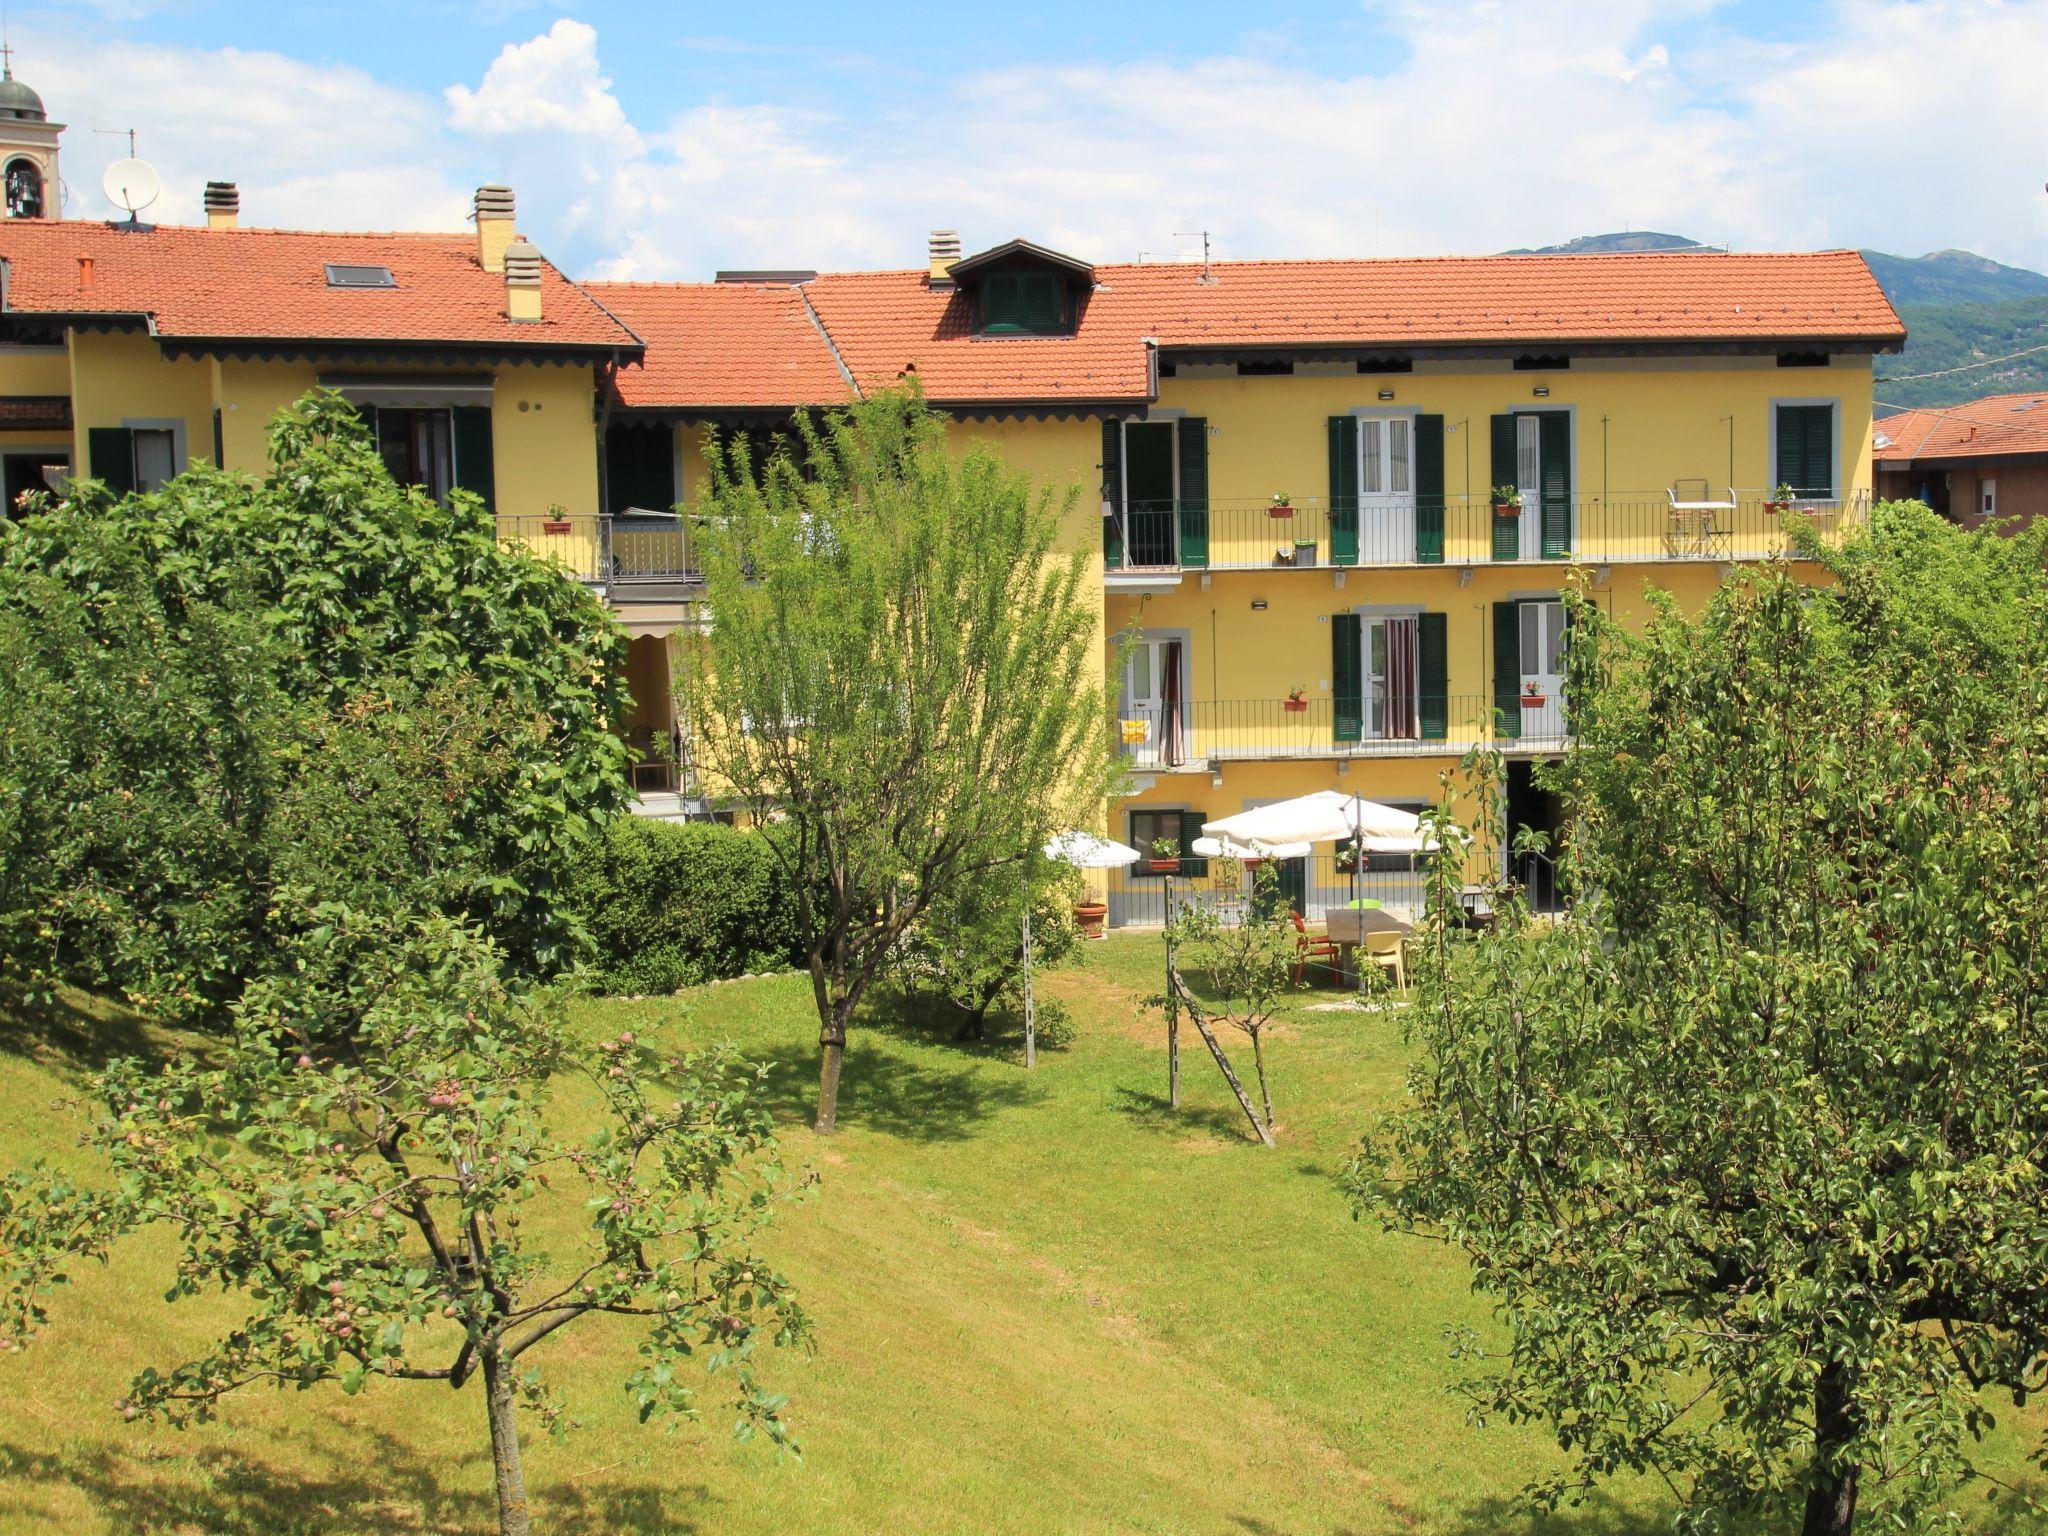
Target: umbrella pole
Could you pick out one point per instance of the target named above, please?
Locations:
(1030, 1018)
(1357, 865)
(1172, 1011)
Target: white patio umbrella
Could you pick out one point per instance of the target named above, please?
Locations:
(1230, 848)
(1083, 850)
(1326, 817)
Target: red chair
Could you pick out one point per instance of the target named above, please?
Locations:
(1317, 949)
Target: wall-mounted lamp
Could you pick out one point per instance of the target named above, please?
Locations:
(1542, 391)
(1258, 605)
(1386, 394)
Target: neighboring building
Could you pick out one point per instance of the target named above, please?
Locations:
(1985, 459)
(1640, 407)
(1632, 411)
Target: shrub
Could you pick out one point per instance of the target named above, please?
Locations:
(670, 905)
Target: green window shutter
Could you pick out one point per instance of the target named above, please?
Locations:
(999, 302)
(1507, 668)
(1344, 490)
(220, 458)
(474, 470)
(1022, 303)
(1038, 302)
(639, 467)
(1347, 676)
(111, 451)
(1190, 829)
(1556, 438)
(1433, 673)
(1192, 441)
(1113, 493)
(1806, 449)
(1507, 532)
(1429, 490)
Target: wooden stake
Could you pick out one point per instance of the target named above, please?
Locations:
(1030, 1017)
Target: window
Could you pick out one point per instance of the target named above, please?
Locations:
(136, 456)
(1386, 456)
(418, 448)
(342, 275)
(156, 457)
(640, 467)
(1179, 827)
(1391, 679)
(1803, 448)
(24, 189)
(1022, 303)
(1987, 496)
(1261, 368)
(1802, 359)
(28, 471)
(1386, 365)
(1541, 362)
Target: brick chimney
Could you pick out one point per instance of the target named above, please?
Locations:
(522, 281)
(945, 250)
(223, 205)
(493, 214)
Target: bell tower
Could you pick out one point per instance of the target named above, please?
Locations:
(28, 149)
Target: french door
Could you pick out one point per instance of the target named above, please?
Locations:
(1388, 666)
(1153, 697)
(1386, 488)
(1543, 670)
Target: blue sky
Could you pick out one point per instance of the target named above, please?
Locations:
(665, 141)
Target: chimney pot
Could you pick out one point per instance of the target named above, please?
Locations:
(522, 281)
(85, 272)
(223, 205)
(944, 250)
(493, 212)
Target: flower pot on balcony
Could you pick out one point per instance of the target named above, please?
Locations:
(1534, 700)
(1295, 706)
(1090, 915)
(1507, 509)
(1163, 866)
(557, 525)
(1280, 509)
(1775, 507)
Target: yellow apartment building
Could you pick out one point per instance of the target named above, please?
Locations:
(1332, 504)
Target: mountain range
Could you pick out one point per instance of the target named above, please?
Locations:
(1960, 309)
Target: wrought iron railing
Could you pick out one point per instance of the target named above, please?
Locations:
(1160, 536)
(1200, 732)
(607, 550)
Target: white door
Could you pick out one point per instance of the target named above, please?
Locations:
(1529, 481)
(1386, 489)
(1543, 670)
(1145, 699)
(1390, 673)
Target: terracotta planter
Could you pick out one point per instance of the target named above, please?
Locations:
(1091, 916)
(1534, 700)
(1777, 506)
(557, 525)
(1163, 866)
(1507, 509)
(1295, 706)
(1281, 509)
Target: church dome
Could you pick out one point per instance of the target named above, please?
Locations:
(18, 102)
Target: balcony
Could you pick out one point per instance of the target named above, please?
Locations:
(637, 556)
(1198, 736)
(1148, 540)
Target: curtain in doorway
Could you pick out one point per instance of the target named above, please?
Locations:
(1401, 722)
(1173, 745)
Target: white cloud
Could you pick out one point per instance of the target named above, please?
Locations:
(1905, 124)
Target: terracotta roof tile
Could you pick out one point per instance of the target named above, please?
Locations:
(1997, 424)
(742, 345)
(890, 324)
(261, 284)
(19, 412)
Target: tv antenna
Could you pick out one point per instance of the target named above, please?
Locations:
(1203, 236)
(131, 184)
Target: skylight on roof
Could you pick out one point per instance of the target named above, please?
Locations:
(342, 275)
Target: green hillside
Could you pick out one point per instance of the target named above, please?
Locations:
(1944, 336)
(1604, 245)
(1952, 277)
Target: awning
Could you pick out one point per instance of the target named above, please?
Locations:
(411, 391)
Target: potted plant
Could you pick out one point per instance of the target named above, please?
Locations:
(1304, 551)
(1507, 501)
(1295, 703)
(1090, 915)
(1280, 506)
(1533, 696)
(1783, 499)
(557, 521)
(1165, 858)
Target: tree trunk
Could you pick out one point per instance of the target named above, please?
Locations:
(1831, 1498)
(514, 1519)
(832, 1047)
(1265, 1094)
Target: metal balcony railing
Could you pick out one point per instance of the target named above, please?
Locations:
(1166, 536)
(1197, 734)
(609, 551)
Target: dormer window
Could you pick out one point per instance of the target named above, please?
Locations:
(1022, 303)
(1021, 289)
(348, 275)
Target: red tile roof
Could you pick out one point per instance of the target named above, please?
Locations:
(889, 324)
(1997, 424)
(265, 284)
(20, 412)
(740, 345)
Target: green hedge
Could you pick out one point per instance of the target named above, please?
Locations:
(671, 905)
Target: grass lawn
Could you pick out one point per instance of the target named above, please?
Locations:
(1044, 1303)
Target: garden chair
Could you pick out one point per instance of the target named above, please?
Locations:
(1314, 949)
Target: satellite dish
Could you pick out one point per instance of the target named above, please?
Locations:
(131, 185)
